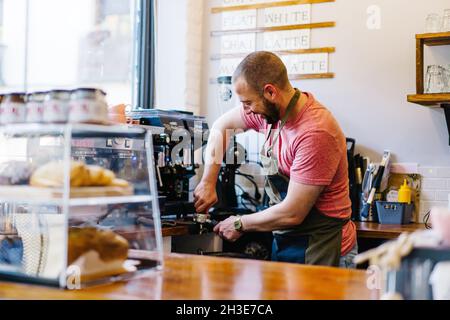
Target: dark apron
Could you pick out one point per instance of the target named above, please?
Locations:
(316, 241)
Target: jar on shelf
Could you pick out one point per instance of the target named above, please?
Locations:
(13, 108)
(56, 106)
(434, 81)
(35, 107)
(88, 105)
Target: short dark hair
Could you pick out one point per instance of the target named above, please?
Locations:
(261, 68)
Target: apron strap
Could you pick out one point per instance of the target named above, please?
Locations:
(289, 109)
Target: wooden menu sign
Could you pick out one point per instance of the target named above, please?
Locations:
(283, 27)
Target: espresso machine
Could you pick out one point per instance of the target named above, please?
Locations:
(178, 140)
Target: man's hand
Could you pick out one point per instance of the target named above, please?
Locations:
(226, 230)
(205, 196)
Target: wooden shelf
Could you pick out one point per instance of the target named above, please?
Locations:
(430, 100)
(311, 76)
(434, 99)
(267, 5)
(422, 40)
(327, 24)
(434, 39)
(297, 77)
(284, 52)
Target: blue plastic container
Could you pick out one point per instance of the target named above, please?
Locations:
(394, 212)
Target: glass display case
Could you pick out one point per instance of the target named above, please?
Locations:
(78, 204)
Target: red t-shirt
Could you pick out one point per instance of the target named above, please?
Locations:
(312, 150)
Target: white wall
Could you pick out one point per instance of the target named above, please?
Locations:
(375, 70)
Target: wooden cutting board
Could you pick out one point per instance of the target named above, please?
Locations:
(34, 193)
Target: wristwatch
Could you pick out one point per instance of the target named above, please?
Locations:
(238, 224)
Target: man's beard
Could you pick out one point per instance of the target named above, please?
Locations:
(271, 113)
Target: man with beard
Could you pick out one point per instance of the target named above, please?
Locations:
(304, 160)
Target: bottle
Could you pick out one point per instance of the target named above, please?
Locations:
(88, 105)
(404, 194)
(13, 108)
(35, 107)
(56, 106)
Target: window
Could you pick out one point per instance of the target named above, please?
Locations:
(12, 45)
(47, 44)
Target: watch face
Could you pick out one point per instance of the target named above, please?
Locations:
(238, 224)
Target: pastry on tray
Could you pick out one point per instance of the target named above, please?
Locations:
(51, 175)
(98, 253)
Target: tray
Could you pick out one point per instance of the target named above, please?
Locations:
(35, 193)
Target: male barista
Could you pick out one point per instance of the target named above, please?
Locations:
(305, 162)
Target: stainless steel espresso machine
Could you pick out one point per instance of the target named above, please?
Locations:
(178, 140)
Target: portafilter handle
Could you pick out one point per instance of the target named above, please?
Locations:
(206, 224)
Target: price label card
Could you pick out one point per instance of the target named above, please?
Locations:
(228, 66)
(306, 63)
(289, 15)
(236, 20)
(287, 40)
(241, 43)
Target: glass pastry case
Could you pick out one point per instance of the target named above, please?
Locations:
(78, 204)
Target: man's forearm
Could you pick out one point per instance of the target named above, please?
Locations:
(210, 173)
(217, 144)
(278, 217)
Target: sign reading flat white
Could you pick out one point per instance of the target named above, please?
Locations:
(289, 15)
(230, 3)
(287, 40)
(241, 43)
(235, 20)
(228, 66)
(306, 63)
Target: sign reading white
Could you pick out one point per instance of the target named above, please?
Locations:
(245, 19)
(229, 3)
(289, 15)
(287, 40)
(242, 43)
(306, 63)
(228, 66)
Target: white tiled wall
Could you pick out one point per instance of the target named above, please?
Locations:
(435, 188)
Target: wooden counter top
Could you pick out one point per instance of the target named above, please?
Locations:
(175, 231)
(188, 277)
(364, 230)
(385, 231)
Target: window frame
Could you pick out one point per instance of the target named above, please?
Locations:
(144, 85)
